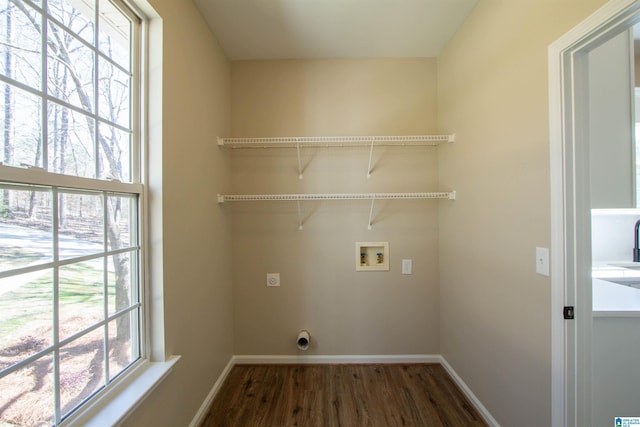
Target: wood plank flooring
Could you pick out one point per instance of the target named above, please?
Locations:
(382, 395)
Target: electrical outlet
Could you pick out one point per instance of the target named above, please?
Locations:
(273, 279)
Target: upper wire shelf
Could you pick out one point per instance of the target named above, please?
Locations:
(222, 198)
(335, 141)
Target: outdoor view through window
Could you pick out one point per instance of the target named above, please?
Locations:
(70, 192)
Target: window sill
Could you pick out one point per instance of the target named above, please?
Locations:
(120, 401)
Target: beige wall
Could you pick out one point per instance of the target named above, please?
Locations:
(196, 238)
(492, 92)
(346, 312)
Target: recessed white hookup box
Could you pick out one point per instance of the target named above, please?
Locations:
(372, 256)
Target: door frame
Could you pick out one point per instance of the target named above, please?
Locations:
(570, 205)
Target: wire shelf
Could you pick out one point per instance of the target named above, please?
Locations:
(335, 141)
(224, 198)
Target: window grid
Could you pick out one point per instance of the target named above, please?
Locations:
(133, 193)
(108, 317)
(56, 306)
(94, 112)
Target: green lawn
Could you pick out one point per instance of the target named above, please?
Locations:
(27, 308)
(12, 257)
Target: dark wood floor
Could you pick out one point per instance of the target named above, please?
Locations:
(341, 395)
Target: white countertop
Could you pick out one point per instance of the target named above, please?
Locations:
(611, 296)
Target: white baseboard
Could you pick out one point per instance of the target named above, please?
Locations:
(346, 359)
(337, 359)
(467, 392)
(202, 412)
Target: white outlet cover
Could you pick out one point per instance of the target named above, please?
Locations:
(407, 266)
(273, 279)
(542, 261)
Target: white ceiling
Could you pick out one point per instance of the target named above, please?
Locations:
(284, 29)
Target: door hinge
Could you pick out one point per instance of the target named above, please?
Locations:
(568, 312)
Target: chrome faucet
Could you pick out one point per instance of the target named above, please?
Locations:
(636, 249)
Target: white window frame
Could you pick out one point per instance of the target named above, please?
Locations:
(122, 395)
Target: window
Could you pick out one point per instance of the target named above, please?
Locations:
(71, 198)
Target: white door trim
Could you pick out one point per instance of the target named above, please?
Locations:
(570, 392)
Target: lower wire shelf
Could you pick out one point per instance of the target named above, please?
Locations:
(224, 198)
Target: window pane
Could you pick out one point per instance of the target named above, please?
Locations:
(122, 220)
(81, 296)
(26, 396)
(115, 34)
(114, 87)
(121, 294)
(78, 16)
(25, 228)
(20, 54)
(80, 219)
(81, 369)
(70, 142)
(122, 349)
(115, 153)
(20, 127)
(70, 69)
(26, 315)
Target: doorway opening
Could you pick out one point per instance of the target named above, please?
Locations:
(576, 170)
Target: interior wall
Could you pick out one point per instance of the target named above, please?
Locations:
(492, 92)
(611, 124)
(346, 312)
(196, 234)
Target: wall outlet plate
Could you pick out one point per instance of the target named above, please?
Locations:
(542, 261)
(273, 279)
(407, 266)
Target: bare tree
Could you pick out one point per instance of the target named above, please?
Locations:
(67, 75)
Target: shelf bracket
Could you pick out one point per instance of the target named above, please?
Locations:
(299, 217)
(299, 162)
(373, 202)
(370, 158)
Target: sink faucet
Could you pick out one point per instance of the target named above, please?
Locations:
(636, 249)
